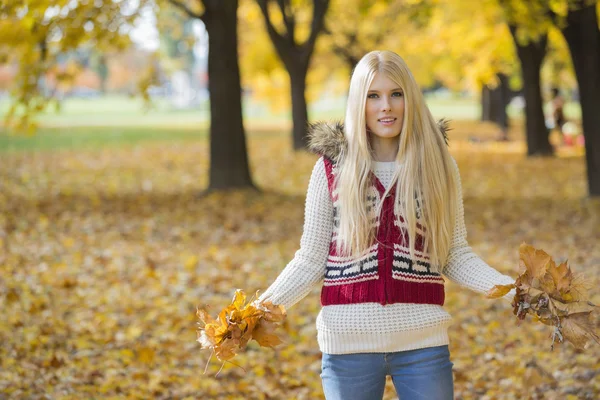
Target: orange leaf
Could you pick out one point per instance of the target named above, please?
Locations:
(534, 261)
(273, 312)
(264, 334)
(561, 276)
(499, 291)
(227, 350)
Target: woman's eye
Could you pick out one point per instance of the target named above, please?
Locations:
(372, 96)
(397, 94)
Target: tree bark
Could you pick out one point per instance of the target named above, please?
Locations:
(531, 57)
(296, 59)
(228, 154)
(299, 107)
(494, 102)
(583, 38)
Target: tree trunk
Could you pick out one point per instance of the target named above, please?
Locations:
(486, 94)
(494, 102)
(299, 107)
(583, 38)
(531, 57)
(228, 154)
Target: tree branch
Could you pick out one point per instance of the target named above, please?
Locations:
(288, 19)
(347, 53)
(186, 9)
(275, 36)
(319, 11)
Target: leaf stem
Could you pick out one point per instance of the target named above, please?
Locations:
(207, 362)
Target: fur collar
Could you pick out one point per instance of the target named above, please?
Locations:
(327, 138)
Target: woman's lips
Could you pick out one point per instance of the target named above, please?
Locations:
(387, 120)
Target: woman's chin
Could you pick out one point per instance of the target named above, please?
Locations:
(387, 133)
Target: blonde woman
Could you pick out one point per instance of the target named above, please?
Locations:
(383, 225)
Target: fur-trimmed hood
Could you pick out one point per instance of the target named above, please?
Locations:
(327, 138)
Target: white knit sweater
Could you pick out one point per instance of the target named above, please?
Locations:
(372, 327)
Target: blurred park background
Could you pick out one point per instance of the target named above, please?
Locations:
(152, 161)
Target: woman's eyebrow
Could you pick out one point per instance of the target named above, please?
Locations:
(392, 90)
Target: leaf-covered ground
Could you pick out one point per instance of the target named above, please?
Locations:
(105, 255)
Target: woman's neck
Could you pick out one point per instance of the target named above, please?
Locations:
(384, 149)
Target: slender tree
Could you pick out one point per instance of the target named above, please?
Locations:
(494, 101)
(295, 56)
(531, 54)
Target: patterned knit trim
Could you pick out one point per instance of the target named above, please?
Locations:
(416, 278)
(346, 281)
(344, 270)
(419, 255)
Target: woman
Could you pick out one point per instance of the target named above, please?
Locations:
(383, 223)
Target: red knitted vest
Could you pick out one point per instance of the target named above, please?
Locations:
(386, 274)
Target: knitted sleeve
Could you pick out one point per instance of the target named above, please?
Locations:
(308, 265)
(463, 266)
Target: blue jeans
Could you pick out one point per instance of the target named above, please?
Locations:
(416, 374)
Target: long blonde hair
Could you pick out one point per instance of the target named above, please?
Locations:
(425, 180)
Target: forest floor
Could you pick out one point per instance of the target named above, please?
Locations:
(107, 251)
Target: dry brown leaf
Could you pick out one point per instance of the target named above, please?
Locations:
(226, 349)
(562, 276)
(578, 290)
(579, 329)
(534, 261)
(273, 312)
(204, 316)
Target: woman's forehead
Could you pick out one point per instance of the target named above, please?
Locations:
(381, 82)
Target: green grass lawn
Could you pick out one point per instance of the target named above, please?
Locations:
(122, 121)
(48, 138)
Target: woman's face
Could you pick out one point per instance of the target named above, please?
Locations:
(384, 107)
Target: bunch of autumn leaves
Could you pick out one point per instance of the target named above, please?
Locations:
(553, 295)
(237, 324)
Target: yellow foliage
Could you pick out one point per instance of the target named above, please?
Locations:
(33, 36)
(237, 324)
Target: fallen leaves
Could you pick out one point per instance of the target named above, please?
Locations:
(553, 295)
(141, 260)
(237, 324)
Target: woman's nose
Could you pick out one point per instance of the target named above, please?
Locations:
(386, 106)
